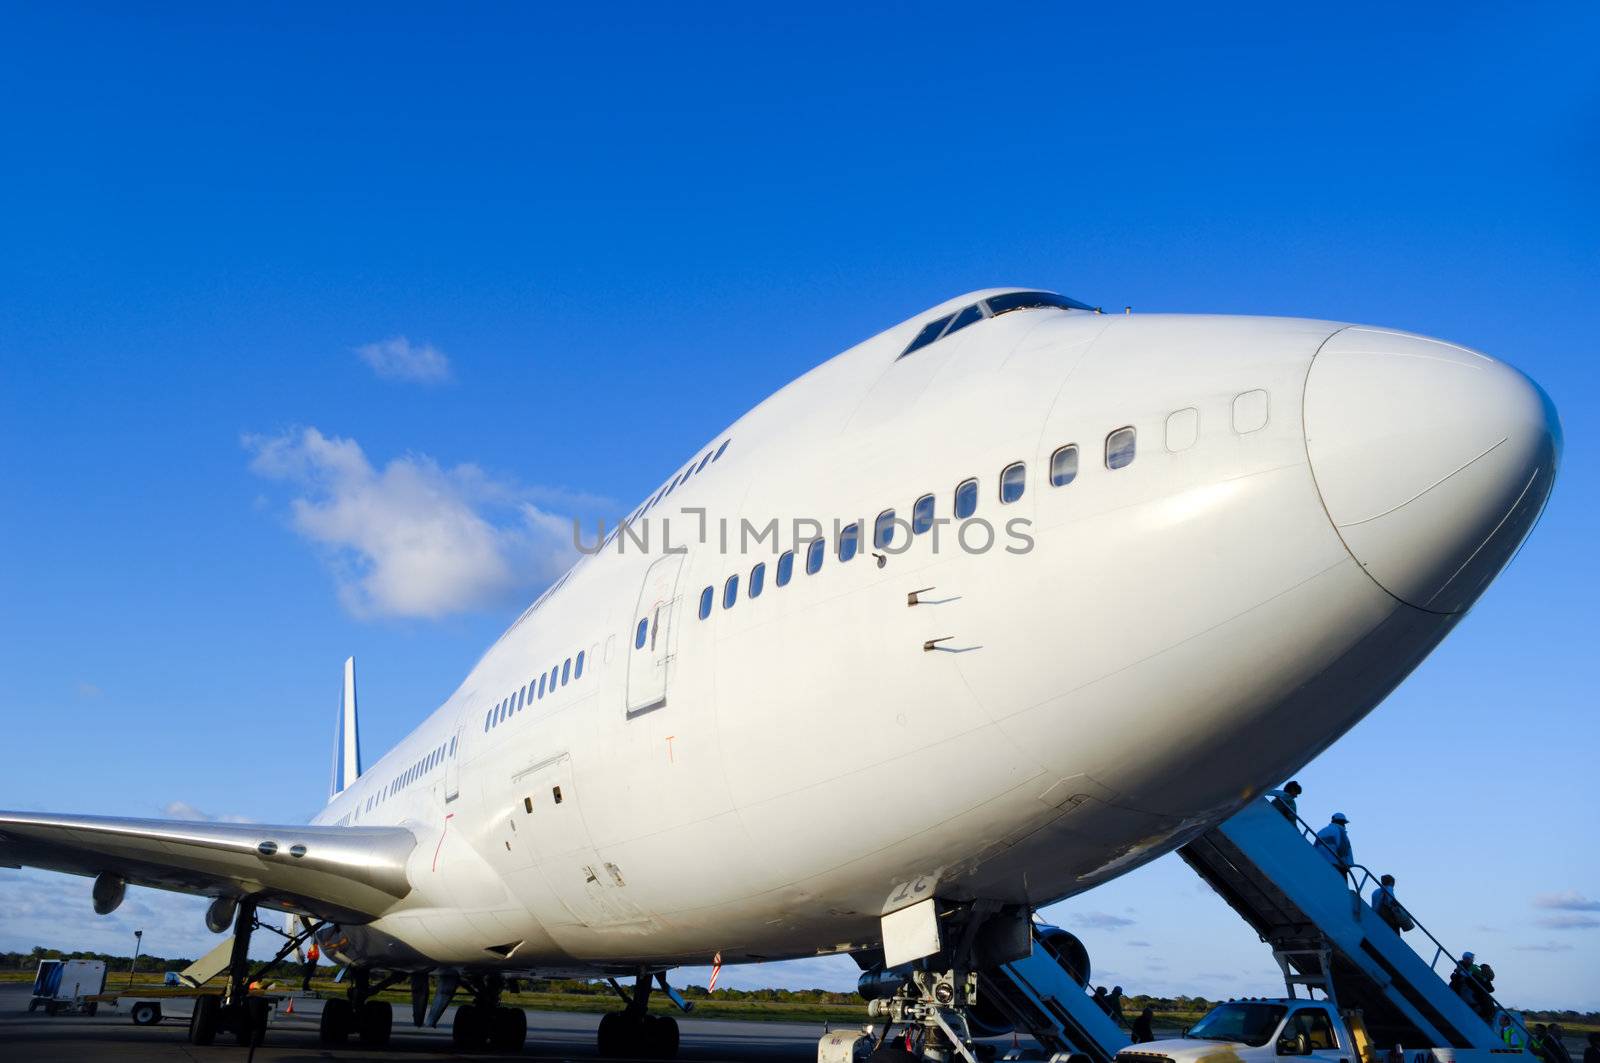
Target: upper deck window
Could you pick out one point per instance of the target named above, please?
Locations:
(1004, 304)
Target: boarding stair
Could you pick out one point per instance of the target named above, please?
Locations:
(1039, 994)
(1327, 938)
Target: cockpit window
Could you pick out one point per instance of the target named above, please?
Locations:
(930, 332)
(993, 306)
(1004, 304)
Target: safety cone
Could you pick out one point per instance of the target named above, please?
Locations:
(290, 1009)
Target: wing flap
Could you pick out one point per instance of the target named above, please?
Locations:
(347, 874)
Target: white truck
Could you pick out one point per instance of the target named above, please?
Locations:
(1264, 1031)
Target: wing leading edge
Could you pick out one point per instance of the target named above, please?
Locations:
(346, 874)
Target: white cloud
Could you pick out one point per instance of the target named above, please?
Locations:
(184, 810)
(1101, 920)
(397, 358)
(1569, 922)
(86, 689)
(1567, 900)
(413, 539)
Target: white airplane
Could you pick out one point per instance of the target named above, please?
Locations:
(991, 608)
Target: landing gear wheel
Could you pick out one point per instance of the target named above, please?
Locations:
(146, 1014)
(612, 1037)
(249, 1020)
(203, 1021)
(337, 1018)
(466, 1029)
(374, 1023)
(660, 1036)
(508, 1029)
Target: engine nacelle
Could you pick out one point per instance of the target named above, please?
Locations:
(108, 892)
(219, 916)
(1067, 950)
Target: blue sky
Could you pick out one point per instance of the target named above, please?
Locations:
(274, 279)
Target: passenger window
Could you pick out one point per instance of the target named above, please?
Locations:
(541, 684)
(758, 577)
(1120, 447)
(577, 672)
(553, 672)
(971, 315)
(1183, 428)
(720, 449)
(640, 633)
(1064, 465)
(785, 567)
(1250, 412)
(705, 603)
(922, 515)
(486, 718)
(883, 529)
(849, 541)
(814, 557)
(966, 499)
(566, 670)
(730, 591)
(1013, 481)
(703, 462)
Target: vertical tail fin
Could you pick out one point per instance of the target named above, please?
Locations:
(346, 736)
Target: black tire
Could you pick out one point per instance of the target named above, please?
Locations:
(92, 1008)
(508, 1029)
(375, 1023)
(33, 1005)
(146, 1013)
(337, 1018)
(203, 1021)
(611, 1039)
(661, 1036)
(51, 1007)
(467, 1029)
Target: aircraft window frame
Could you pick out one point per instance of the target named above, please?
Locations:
(883, 530)
(640, 632)
(706, 597)
(541, 685)
(970, 315)
(1007, 302)
(1057, 460)
(566, 671)
(1244, 404)
(758, 580)
(703, 462)
(969, 488)
(816, 550)
(730, 591)
(1021, 468)
(784, 569)
(849, 535)
(928, 334)
(920, 521)
(720, 449)
(577, 671)
(1115, 459)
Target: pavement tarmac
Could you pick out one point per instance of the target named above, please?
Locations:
(38, 1038)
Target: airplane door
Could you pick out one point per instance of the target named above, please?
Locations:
(452, 765)
(652, 638)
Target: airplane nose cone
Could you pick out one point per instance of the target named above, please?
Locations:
(1433, 461)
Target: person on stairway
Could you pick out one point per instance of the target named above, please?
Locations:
(1389, 908)
(1461, 977)
(1508, 1032)
(1482, 999)
(1591, 1053)
(1144, 1029)
(1114, 1006)
(1333, 842)
(1101, 1000)
(1556, 1044)
(1284, 799)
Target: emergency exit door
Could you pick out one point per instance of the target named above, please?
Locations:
(652, 639)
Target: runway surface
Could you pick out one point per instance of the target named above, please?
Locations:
(38, 1038)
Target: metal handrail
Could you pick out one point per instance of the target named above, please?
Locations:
(1366, 877)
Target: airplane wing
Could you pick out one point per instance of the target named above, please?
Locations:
(346, 874)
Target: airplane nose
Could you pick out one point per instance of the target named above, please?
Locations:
(1433, 461)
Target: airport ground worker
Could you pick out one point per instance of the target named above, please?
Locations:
(312, 955)
(1333, 842)
(1284, 799)
(1508, 1032)
(1144, 1030)
(1389, 908)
